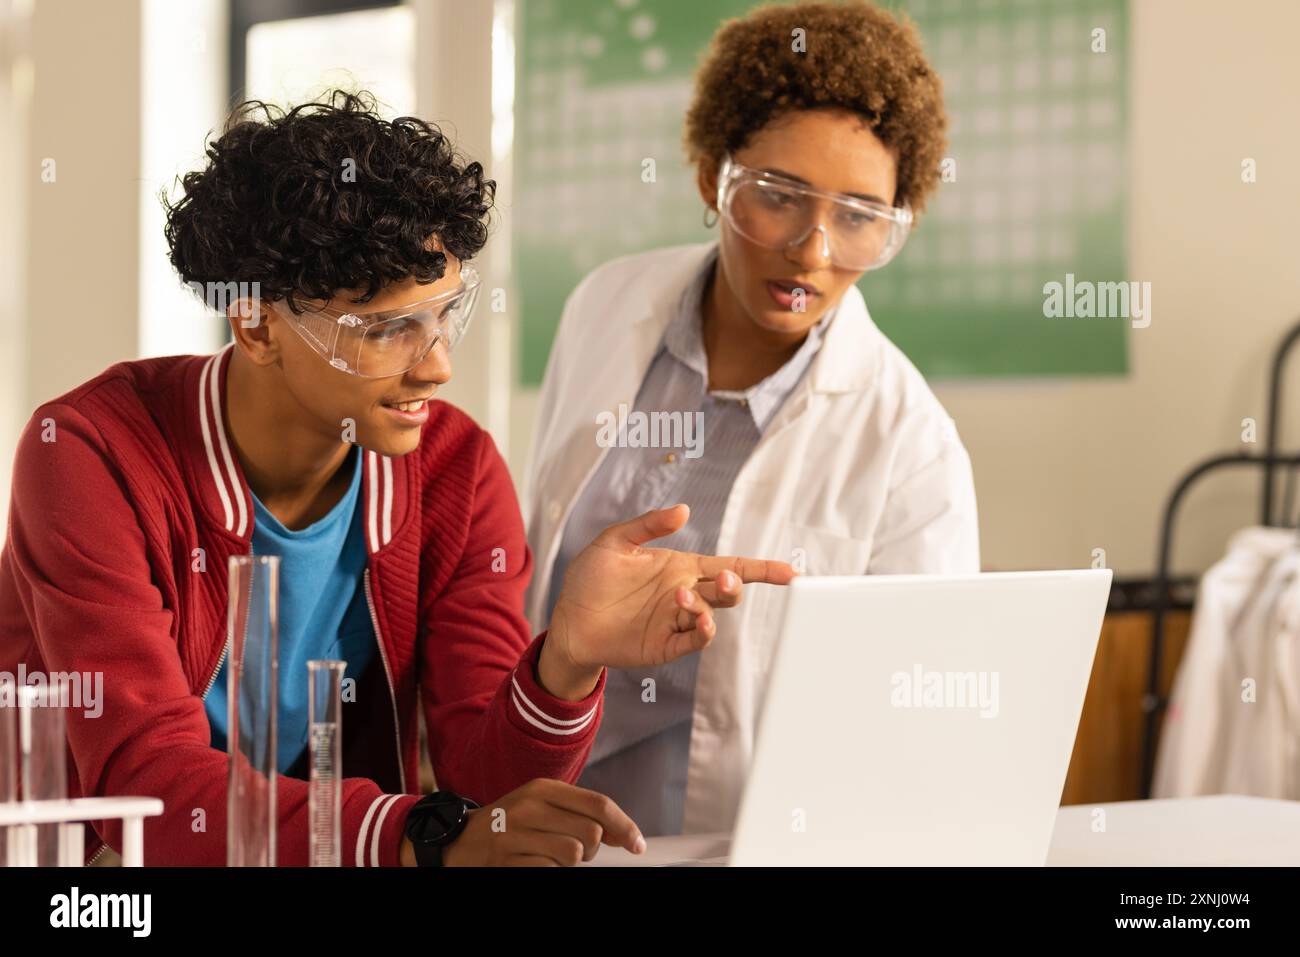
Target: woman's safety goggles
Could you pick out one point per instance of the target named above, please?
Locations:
(379, 344)
(776, 212)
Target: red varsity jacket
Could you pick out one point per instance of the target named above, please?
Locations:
(127, 502)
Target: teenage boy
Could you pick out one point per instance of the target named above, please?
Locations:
(315, 436)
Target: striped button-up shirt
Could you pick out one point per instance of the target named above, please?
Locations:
(691, 455)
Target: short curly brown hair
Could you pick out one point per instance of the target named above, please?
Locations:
(859, 58)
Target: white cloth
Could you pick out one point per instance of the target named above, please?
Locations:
(1260, 755)
(1245, 628)
(861, 470)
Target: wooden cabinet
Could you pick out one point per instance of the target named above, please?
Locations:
(1107, 761)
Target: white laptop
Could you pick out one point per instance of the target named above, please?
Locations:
(914, 720)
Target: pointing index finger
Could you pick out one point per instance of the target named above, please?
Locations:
(761, 570)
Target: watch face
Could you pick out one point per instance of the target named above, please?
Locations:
(448, 813)
(438, 817)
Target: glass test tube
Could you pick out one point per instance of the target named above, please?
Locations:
(253, 683)
(8, 759)
(325, 741)
(43, 746)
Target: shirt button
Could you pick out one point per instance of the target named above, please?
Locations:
(670, 457)
(553, 511)
(744, 403)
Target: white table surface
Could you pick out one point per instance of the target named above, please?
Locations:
(1224, 830)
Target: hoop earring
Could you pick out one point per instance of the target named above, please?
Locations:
(707, 224)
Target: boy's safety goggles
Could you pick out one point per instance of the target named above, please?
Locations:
(375, 345)
(777, 212)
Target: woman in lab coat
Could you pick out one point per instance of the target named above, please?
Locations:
(745, 378)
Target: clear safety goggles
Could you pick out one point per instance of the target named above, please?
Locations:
(778, 213)
(379, 344)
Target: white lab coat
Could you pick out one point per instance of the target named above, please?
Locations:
(861, 470)
(1216, 739)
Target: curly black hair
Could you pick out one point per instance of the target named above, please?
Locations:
(325, 197)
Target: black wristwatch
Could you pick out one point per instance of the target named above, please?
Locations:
(435, 821)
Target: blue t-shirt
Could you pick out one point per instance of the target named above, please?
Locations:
(323, 611)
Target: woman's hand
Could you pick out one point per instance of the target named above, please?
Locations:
(624, 605)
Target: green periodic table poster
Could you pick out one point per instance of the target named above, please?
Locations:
(1038, 135)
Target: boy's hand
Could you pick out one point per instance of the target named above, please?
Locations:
(545, 823)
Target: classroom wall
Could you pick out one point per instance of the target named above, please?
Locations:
(77, 310)
(16, 82)
(82, 226)
(1063, 467)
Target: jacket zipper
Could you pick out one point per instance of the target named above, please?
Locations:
(216, 671)
(392, 689)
